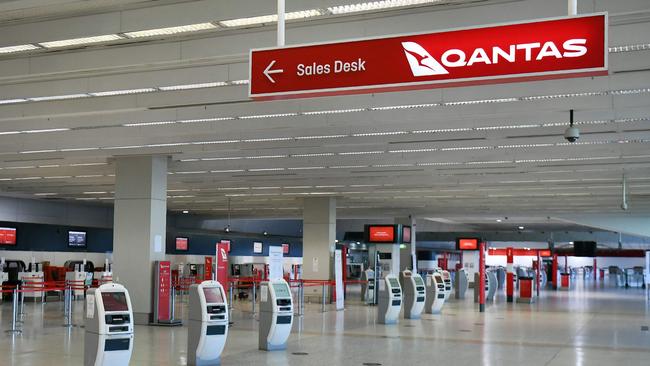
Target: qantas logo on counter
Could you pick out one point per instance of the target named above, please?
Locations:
(423, 64)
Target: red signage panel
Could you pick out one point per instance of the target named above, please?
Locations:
(381, 234)
(222, 262)
(207, 268)
(285, 248)
(543, 49)
(7, 236)
(182, 244)
(164, 290)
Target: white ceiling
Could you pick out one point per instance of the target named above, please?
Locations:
(488, 151)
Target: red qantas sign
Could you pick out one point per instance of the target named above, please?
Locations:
(381, 234)
(546, 49)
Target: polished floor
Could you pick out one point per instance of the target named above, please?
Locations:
(589, 325)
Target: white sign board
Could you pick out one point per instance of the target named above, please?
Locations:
(257, 247)
(647, 267)
(338, 277)
(275, 263)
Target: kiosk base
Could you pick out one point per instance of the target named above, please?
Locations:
(199, 362)
(277, 347)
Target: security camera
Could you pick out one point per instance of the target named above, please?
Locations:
(572, 134)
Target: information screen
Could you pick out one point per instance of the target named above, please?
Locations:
(380, 233)
(7, 236)
(406, 234)
(393, 282)
(114, 301)
(213, 295)
(76, 238)
(182, 243)
(438, 279)
(467, 244)
(418, 281)
(281, 290)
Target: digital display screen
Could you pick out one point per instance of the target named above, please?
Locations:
(76, 238)
(418, 281)
(281, 290)
(406, 234)
(285, 248)
(545, 253)
(213, 295)
(393, 282)
(257, 247)
(115, 301)
(467, 243)
(438, 279)
(182, 244)
(7, 236)
(380, 233)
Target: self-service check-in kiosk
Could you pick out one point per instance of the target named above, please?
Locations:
(414, 294)
(390, 300)
(368, 287)
(446, 277)
(208, 325)
(435, 293)
(276, 315)
(108, 337)
(492, 284)
(460, 284)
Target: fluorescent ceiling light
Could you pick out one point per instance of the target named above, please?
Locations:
(377, 5)
(193, 86)
(81, 41)
(18, 48)
(263, 19)
(13, 101)
(239, 82)
(36, 151)
(47, 130)
(122, 92)
(45, 194)
(58, 97)
(171, 30)
(88, 164)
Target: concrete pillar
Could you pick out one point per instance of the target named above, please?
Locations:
(139, 227)
(318, 241)
(407, 255)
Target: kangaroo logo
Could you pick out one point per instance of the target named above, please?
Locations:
(421, 62)
(224, 256)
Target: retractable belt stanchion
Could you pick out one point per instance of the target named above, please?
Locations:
(254, 296)
(322, 306)
(14, 313)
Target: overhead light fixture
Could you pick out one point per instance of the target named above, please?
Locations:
(171, 30)
(18, 48)
(186, 211)
(499, 220)
(520, 228)
(58, 97)
(193, 86)
(377, 5)
(265, 233)
(265, 19)
(81, 41)
(122, 92)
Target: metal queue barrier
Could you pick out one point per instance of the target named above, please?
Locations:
(108, 339)
(208, 324)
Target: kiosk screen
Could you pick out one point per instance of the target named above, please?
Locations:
(114, 301)
(213, 295)
(393, 282)
(438, 279)
(281, 290)
(418, 281)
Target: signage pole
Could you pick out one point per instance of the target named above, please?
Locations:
(280, 23)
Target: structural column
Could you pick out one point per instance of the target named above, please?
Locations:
(318, 241)
(407, 256)
(139, 227)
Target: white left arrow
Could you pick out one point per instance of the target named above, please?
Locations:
(268, 71)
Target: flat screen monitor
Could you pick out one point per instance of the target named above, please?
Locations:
(406, 234)
(393, 282)
(213, 295)
(182, 244)
(281, 290)
(115, 301)
(584, 248)
(438, 278)
(7, 236)
(380, 234)
(77, 239)
(467, 243)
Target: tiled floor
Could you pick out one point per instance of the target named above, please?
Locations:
(586, 326)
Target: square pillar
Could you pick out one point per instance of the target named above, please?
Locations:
(318, 241)
(140, 224)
